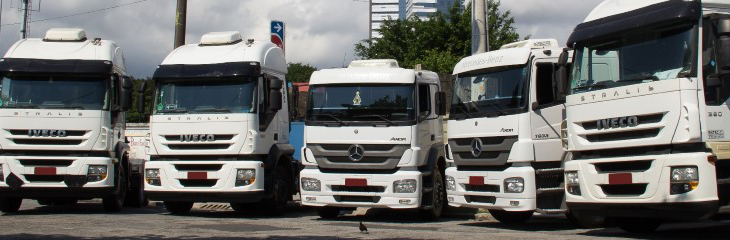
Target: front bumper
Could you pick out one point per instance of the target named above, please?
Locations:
(217, 185)
(346, 197)
(492, 198)
(599, 195)
(24, 178)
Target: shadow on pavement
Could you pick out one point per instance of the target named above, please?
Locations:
(392, 216)
(82, 208)
(689, 230)
(536, 223)
(152, 236)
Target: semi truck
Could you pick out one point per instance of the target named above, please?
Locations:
(219, 130)
(373, 137)
(504, 150)
(62, 113)
(647, 112)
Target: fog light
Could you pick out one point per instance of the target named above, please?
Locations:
(310, 199)
(311, 184)
(245, 177)
(152, 176)
(514, 185)
(575, 190)
(572, 183)
(450, 183)
(404, 201)
(684, 179)
(96, 173)
(405, 186)
(514, 203)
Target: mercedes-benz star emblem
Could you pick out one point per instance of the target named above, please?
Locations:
(476, 147)
(356, 152)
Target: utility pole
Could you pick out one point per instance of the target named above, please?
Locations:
(26, 19)
(479, 27)
(180, 22)
(370, 20)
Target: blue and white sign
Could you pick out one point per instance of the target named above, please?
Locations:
(277, 33)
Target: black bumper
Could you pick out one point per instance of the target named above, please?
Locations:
(206, 196)
(676, 211)
(57, 192)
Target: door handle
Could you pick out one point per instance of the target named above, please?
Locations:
(433, 137)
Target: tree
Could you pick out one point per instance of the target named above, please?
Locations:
(299, 72)
(132, 115)
(438, 43)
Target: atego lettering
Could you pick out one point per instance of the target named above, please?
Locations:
(620, 122)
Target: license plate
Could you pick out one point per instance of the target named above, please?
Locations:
(620, 178)
(356, 182)
(476, 180)
(45, 171)
(197, 175)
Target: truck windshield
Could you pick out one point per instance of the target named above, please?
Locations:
(493, 92)
(205, 96)
(55, 92)
(632, 59)
(368, 103)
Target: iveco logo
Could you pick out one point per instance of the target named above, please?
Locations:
(620, 122)
(356, 152)
(46, 133)
(197, 138)
(476, 147)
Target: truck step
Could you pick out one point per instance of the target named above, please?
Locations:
(550, 211)
(549, 171)
(723, 181)
(550, 190)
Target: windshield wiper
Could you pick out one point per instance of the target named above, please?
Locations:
(23, 105)
(331, 116)
(643, 77)
(176, 110)
(591, 87)
(377, 116)
(219, 110)
(63, 107)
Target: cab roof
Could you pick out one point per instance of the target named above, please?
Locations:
(381, 71)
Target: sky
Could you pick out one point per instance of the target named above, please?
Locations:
(321, 33)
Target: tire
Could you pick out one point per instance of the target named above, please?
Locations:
(178, 208)
(436, 198)
(639, 225)
(136, 197)
(115, 202)
(510, 217)
(276, 205)
(10, 205)
(328, 212)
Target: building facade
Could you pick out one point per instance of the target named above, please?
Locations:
(381, 10)
(423, 9)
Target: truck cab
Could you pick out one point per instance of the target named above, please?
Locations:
(62, 113)
(219, 130)
(504, 151)
(373, 137)
(647, 113)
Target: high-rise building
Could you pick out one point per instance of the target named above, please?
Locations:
(425, 8)
(381, 10)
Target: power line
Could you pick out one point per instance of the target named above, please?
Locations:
(77, 14)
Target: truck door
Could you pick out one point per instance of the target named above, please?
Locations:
(427, 117)
(547, 112)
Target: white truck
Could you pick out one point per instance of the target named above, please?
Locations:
(62, 113)
(504, 150)
(373, 137)
(220, 127)
(647, 113)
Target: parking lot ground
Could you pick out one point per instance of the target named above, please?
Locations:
(87, 219)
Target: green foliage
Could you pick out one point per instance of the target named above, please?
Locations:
(132, 115)
(438, 43)
(299, 72)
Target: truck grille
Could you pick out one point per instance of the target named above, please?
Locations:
(481, 188)
(341, 188)
(198, 182)
(363, 199)
(45, 178)
(22, 137)
(45, 162)
(47, 141)
(198, 146)
(198, 167)
(624, 166)
(481, 199)
(218, 137)
(628, 133)
(495, 151)
(624, 189)
(375, 156)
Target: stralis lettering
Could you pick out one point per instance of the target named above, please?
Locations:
(616, 93)
(197, 138)
(620, 122)
(46, 133)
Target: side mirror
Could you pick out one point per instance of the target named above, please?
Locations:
(276, 84)
(561, 74)
(275, 100)
(441, 103)
(140, 97)
(125, 91)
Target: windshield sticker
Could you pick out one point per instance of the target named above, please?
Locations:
(357, 101)
(159, 107)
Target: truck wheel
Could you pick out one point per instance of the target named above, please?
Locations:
(639, 225)
(328, 212)
(178, 208)
(510, 217)
(10, 204)
(437, 197)
(276, 205)
(115, 202)
(136, 197)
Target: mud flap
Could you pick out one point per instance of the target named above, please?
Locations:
(14, 181)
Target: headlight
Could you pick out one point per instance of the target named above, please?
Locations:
(450, 183)
(152, 176)
(684, 179)
(245, 177)
(311, 184)
(514, 185)
(405, 186)
(96, 173)
(572, 183)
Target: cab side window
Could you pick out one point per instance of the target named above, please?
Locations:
(424, 100)
(546, 88)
